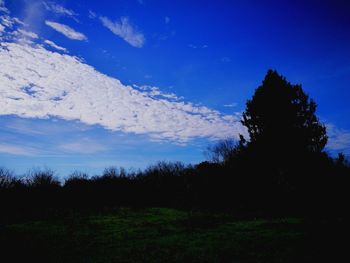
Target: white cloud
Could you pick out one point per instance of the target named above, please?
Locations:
(19, 22)
(66, 30)
(53, 45)
(339, 139)
(37, 83)
(28, 34)
(155, 92)
(195, 46)
(60, 10)
(48, 127)
(3, 8)
(92, 14)
(83, 146)
(124, 30)
(17, 150)
(6, 21)
(231, 105)
(23, 36)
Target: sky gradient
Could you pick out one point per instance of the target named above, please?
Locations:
(89, 84)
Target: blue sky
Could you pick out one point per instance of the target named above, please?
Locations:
(174, 74)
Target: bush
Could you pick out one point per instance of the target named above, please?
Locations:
(37, 178)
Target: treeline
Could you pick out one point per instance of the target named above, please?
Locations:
(282, 169)
(223, 186)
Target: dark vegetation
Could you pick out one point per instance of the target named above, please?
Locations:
(282, 171)
(169, 235)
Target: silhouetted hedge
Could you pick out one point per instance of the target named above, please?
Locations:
(282, 170)
(321, 189)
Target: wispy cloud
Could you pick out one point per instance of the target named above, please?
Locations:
(38, 83)
(17, 150)
(339, 139)
(22, 126)
(42, 128)
(27, 34)
(167, 20)
(53, 45)
(7, 23)
(155, 92)
(2, 7)
(124, 30)
(60, 10)
(197, 46)
(92, 14)
(231, 105)
(83, 146)
(66, 30)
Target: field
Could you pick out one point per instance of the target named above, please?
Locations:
(159, 235)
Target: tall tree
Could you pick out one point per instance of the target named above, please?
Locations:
(281, 119)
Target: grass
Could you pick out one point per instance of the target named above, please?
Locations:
(156, 235)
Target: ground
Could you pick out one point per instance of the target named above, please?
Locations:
(158, 235)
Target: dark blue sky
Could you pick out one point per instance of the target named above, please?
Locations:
(211, 53)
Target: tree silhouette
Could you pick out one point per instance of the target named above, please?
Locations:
(281, 118)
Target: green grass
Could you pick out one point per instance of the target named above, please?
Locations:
(156, 235)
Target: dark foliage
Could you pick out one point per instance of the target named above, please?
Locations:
(280, 170)
(281, 118)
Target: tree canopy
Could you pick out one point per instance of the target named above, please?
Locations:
(281, 118)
